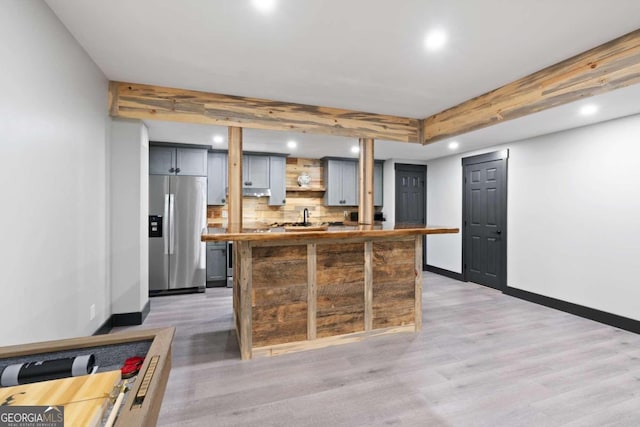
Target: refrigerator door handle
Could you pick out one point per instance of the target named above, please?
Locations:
(172, 223)
(165, 225)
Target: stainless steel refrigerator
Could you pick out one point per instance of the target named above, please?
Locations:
(177, 218)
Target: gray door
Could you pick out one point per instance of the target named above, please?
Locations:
(484, 219)
(188, 218)
(159, 246)
(411, 195)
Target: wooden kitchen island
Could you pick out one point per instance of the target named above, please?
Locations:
(295, 291)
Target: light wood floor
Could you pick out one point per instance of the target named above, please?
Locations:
(482, 359)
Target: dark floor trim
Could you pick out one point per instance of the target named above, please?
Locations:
(443, 272)
(105, 328)
(124, 319)
(130, 319)
(610, 319)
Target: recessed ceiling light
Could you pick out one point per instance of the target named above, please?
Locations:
(292, 144)
(435, 40)
(453, 145)
(218, 139)
(589, 109)
(355, 149)
(264, 5)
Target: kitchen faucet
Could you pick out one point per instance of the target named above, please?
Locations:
(305, 216)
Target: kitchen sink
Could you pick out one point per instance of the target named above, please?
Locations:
(302, 226)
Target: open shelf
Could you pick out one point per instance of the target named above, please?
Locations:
(307, 189)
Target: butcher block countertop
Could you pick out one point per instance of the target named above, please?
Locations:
(333, 232)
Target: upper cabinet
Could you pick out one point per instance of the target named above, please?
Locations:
(255, 171)
(177, 161)
(277, 180)
(217, 178)
(377, 183)
(341, 181)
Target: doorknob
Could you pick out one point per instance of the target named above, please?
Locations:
(498, 231)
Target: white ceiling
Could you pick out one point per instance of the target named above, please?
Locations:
(365, 55)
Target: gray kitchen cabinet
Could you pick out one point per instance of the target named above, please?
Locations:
(191, 161)
(277, 180)
(341, 181)
(162, 160)
(255, 171)
(216, 261)
(177, 161)
(217, 178)
(377, 183)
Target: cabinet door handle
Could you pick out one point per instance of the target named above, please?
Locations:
(172, 170)
(284, 201)
(223, 200)
(177, 170)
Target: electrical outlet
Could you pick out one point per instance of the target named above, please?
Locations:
(224, 214)
(92, 312)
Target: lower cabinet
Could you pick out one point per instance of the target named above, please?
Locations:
(216, 263)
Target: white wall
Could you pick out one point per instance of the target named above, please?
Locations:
(129, 158)
(444, 207)
(573, 209)
(53, 220)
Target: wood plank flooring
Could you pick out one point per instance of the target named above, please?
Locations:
(482, 359)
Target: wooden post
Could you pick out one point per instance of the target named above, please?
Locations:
(418, 284)
(368, 285)
(234, 180)
(365, 182)
(312, 291)
(246, 315)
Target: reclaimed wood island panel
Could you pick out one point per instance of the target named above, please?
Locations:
(301, 290)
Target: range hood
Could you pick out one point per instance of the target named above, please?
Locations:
(256, 192)
(252, 192)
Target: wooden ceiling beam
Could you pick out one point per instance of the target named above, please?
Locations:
(138, 101)
(610, 66)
